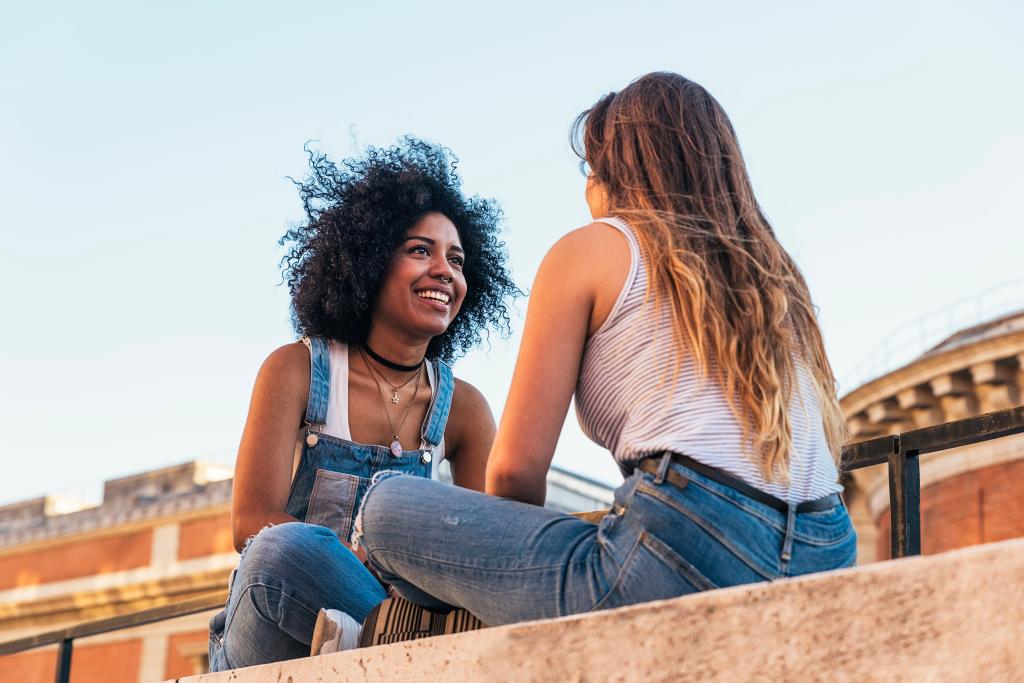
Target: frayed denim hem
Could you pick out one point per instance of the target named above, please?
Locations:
(357, 527)
(249, 541)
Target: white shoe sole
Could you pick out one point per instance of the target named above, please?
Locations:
(335, 631)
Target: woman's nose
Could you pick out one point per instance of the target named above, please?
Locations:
(443, 270)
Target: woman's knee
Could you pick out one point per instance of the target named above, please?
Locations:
(386, 499)
(284, 546)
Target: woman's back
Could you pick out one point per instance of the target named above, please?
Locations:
(632, 400)
(701, 367)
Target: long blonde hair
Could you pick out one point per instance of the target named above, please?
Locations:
(666, 155)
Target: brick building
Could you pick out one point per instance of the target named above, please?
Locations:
(969, 495)
(157, 538)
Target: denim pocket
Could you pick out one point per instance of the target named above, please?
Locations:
(670, 558)
(332, 502)
(652, 571)
(824, 528)
(726, 540)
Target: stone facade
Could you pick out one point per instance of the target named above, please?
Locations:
(969, 495)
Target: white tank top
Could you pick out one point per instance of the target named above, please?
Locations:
(337, 408)
(624, 401)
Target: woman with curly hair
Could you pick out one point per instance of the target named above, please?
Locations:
(694, 357)
(393, 275)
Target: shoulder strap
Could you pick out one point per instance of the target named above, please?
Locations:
(440, 405)
(319, 380)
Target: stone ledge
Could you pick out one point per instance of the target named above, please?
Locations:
(958, 616)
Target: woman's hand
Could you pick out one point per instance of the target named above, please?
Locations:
(263, 470)
(574, 291)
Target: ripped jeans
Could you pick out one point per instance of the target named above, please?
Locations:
(507, 561)
(286, 574)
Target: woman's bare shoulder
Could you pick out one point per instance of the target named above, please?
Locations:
(470, 408)
(595, 261)
(287, 366)
(596, 236)
(594, 253)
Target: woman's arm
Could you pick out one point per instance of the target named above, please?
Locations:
(263, 469)
(574, 290)
(474, 434)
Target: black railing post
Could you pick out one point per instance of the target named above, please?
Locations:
(904, 503)
(64, 661)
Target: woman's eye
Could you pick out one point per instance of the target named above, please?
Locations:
(458, 260)
(419, 249)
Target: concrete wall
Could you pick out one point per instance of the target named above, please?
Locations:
(952, 617)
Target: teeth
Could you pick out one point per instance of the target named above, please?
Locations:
(431, 294)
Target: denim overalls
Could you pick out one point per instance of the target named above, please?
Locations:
(289, 571)
(333, 474)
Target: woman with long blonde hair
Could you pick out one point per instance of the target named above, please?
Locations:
(688, 337)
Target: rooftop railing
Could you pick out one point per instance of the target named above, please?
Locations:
(900, 451)
(911, 338)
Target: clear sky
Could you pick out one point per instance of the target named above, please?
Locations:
(144, 149)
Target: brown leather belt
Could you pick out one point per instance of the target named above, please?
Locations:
(678, 479)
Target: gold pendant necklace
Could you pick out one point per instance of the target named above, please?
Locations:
(396, 444)
(394, 389)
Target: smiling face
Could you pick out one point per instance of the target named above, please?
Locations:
(424, 287)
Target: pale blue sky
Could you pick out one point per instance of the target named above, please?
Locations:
(144, 149)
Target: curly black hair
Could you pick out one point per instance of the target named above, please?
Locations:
(357, 214)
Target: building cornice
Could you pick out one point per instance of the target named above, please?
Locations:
(116, 519)
(926, 368)
(115, 593)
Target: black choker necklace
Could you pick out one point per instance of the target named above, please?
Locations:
(390, 364)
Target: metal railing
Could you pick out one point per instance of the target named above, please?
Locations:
(66, 636)
(900, 451)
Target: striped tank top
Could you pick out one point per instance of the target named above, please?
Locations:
(627, 402)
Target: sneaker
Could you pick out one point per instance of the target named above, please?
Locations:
(335, 631)
(397, 619)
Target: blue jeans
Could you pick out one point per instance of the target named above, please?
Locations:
(286, 574)
(507, 561)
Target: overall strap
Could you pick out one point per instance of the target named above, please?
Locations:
(319, 381)
(440, 405)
